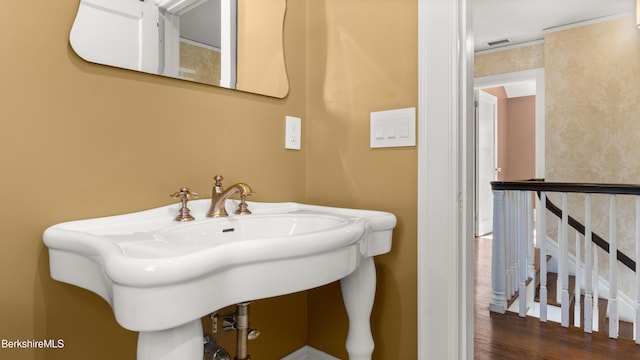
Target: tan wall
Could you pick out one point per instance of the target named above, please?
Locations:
(363, 58)
(257, 38)
(82, 140)
(521, 138)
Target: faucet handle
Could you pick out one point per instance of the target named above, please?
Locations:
(184, 195)
(243, 208)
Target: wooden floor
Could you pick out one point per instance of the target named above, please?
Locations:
(504, 337)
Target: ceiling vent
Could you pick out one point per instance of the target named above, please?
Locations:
(499, 42)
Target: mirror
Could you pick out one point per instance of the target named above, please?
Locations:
(236, 44)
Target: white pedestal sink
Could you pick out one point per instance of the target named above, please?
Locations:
(161, 276)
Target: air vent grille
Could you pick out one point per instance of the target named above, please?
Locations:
(499, 42)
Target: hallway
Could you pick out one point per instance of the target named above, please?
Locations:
(508, 336)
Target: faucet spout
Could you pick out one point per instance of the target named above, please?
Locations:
(220, 196)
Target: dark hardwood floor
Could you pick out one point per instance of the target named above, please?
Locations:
(511, 337)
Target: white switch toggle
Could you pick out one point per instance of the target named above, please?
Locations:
(393, 128)
(379, 130)
(293, 133)
(403, 128)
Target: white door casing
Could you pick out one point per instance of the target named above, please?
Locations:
(445, 180)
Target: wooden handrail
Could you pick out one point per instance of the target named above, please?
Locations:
(539, 185)
(585, 188)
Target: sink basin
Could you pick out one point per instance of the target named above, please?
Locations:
(161, 276)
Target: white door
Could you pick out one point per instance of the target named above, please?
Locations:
(121, 33)
(486, 118)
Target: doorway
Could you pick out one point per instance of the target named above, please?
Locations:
(536, 76)
(516, 137)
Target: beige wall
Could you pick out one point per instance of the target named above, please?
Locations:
(592, 131)
(82, 140)
(355, 67)
(593, 87)
(511, 60)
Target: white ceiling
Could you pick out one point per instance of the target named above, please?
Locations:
(524, 20)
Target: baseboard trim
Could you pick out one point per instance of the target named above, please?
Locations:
(309, 353)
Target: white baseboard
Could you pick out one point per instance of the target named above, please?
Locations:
(309, 353)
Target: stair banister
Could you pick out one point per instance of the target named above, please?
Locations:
(613, 270)
(539, 185)
(498, 273)
(542, 229)
(513, 250)
(577, 308)
(588, 278)
(636, 326)
(563, 263)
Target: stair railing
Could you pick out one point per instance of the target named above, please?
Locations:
(514, 243)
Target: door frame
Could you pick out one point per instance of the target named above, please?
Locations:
(445, 180)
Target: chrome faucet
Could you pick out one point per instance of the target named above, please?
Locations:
(219, 197)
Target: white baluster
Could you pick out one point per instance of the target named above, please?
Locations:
(564, 259)
(507, 242)
(542, 241)
(613, 270)
(559, 265)
(588, 274)
(596, 297)
(498, 265)
(512, 243)
(576, 308)
(636, 325)
(516, 240)
(531, 245)
(522, 255)
(531, 253)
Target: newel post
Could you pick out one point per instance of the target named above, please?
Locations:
(498, 263)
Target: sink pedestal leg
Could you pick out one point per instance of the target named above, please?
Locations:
(358, 292)
(181, 343)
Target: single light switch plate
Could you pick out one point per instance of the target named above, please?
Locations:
(393, 128)
(293, 133)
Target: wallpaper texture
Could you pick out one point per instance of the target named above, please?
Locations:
(511, 60)
(592, 126)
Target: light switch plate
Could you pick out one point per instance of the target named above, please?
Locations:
(393, 128)
(293, 133)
